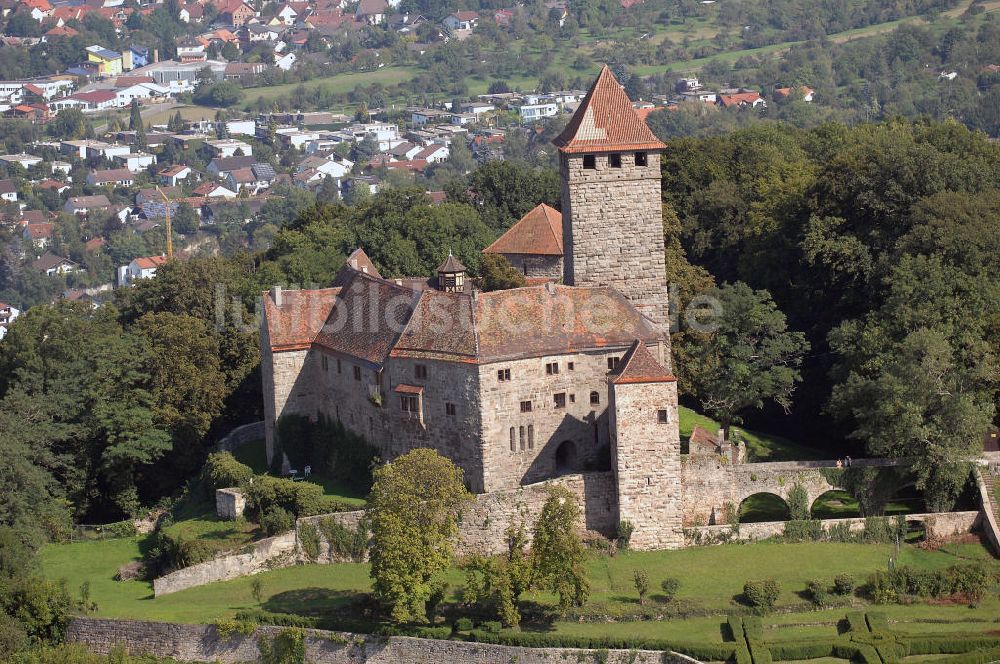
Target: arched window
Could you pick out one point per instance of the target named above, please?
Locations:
(595, 398)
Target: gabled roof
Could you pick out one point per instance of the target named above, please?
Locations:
(739, 98)
(149, 262)
(537, 233)
(359, 262)
(606, 122)
(39, 231)
(639, 366)
(49, 261)
(112, 175)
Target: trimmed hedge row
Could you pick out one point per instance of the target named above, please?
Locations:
(976, 657)
(856, 622)
(794, 650)
(705, 651)
(948, 644)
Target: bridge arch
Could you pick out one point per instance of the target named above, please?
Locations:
(763, 506)
(834, 504)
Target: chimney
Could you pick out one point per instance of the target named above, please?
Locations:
(156, 55)
(276, 295)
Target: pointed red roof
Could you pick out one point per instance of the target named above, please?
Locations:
(639, 366)
(606, 121)
(537, 233)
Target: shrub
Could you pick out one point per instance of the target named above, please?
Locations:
(463, 625)
(345, 543)
(817, 592)
(840, 532)
(804, 531)
(798, 503)
(843, 584)
(309, 540)
(491, 626)
(122, 529)
(641, 582)
(761, 594)
(670, 587)
(276, 520)
(801, 650)
(759, 653)
(222, 471)
(625, 530)
(299, 498)
(856, 622)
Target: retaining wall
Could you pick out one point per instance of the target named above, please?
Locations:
(202, 643)
(240, 436)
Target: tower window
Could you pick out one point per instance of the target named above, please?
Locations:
(522, 437)
(572, 398)
(503, 375)
(559, 399)
(590, 162)
(571, 366)
(615, 160)
(531, 436)
(357, 373)
(339, 368)
(513, 440)
(326, 363)
(409, 403)
(421, 371)
(663, 416)
(595, 398)
(552, 368)
(525, 406)
(449, 409)
(641, 159)
(613, 363)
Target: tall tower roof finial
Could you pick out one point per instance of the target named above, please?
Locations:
(606, 121)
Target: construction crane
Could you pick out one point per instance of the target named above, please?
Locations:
(170, 233)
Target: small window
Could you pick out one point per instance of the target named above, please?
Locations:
(640, 159)
(572, 398)
(421, 371)
(615, 160)
(589, 162)
(357, 373)
(613, 363)
(552, 368)
(595, 398)
(559, 399)
(513, 440)
(339, 368)
(531, 436)
(663, 416)
(326, 363)
(571, 366)
(449, 409)
(525, 406)
(409, 403)
(522, 437)
(503, 375)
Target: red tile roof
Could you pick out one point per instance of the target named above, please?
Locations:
(739, 99)
(39, 231)
(606, 121)
(94, 244)
(94, 96)
(537, 233)
(150, 262)
(639, 366)
(408, 389)
(296, 323)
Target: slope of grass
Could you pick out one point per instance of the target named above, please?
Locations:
(345, 82)
(760, 446)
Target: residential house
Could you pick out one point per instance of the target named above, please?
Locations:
(536, 112)
(23, 160)
(8, 191)
(40, 235)
(286, 62)
(424, 116)
(108, 62)
(742, 99)
(87, 204)
(51, 264)
(212, 190)
(503, 17)
(121, 177)
(463, 20)
(240, 127)
(54, 185)
(687, 85)
(255, 178)
(39, 9)
(95, 100)
(235, 12)
(173, 175)
(372, 12)
(8, 313)
(287, 15)
(94, 244)
(243, 71)
(228, 147)
(30, 112)
(432, 154)
(141, 55)
(784, 93)
(293, 138)
(703, 96)
(222, 166)
(190, 50)
(151, 195)
(139, 268)
(136, 161)
(140, 91)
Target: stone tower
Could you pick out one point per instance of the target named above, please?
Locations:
(646, 450)
(612, 217)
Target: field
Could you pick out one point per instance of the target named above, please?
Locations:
(760, 446)
(711, 580)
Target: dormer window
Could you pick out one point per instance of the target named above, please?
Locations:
(590, 162)
(615, 160)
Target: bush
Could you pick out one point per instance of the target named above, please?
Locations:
(800, 650)
(123, 529)
(735, 624)
(641, 582)
(491, 626)
(670, 587)
(345, 543)
(804, 531)
(759, 653)
(843, 584)
(309, 539)
(463, 625)
(761, 594)
(299, 498)
(840, 532)
(625, 530)
(753, 628)
(222, 471)
(798, 503)
(817, 592)
(276, 520)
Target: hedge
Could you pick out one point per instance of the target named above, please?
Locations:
(735, 627)
(705, 651)
(795, 650)
(877, 622)
(976, 657)
(753, 628)
(856, 622)
(760, 653)
(947, 644)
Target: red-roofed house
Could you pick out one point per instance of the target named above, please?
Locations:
(235, 12)
(139, 268)
(783, 93)
(464, 20)
(742, 100)
(95, 100)
(534, 245)
(40, 235)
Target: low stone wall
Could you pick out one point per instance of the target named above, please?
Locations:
(986, 507)
(229, 503)
(269, 553)
(202, 643)
(240, 436)
(937, 525)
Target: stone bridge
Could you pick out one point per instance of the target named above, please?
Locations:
(710, 483)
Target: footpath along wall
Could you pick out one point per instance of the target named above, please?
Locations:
(202, 643)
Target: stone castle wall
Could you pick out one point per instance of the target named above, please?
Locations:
(647, 458)
(202, 643)
(613, 229)
(537, 267)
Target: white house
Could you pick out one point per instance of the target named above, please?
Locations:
(8, 191)
(136, 161)
(212, 190)
(22, 159)
(287, 15)
(535, 112)
(285, 62)
(139, 268)
(173, 175)
(465, 20)
(334, 166)
(241, 128)
(51, 264)
(63, 167)
(433, 154)
(295, 138)
(7, 315)
(141, 91)
(228, 147)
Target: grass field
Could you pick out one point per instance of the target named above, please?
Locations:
(711, 579)
(760, 446)
(334, 84)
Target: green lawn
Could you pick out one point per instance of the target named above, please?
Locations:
(345, 82)
(711, 578)
(760, 446)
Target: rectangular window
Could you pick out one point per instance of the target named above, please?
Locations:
(589, 162)
(559, 399)
(613, 363)
(525, 406)
(420, 370)
(640, 159)
(449, 409)
(339, 368)
(522, 437)
(615, 160)
(503, 375)
(409, 403)
(663, 416)
(326, 363)
(572, 398)
(357, 373)
(571, 366)
(552, 368)
(531, 436)
(513, 440)
(595, 398)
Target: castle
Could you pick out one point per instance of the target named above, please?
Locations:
(522, 385)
